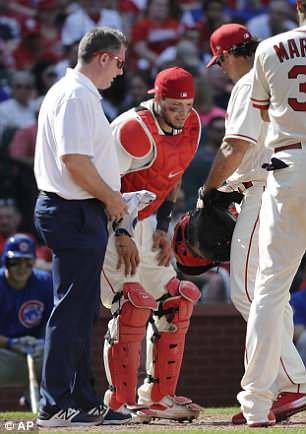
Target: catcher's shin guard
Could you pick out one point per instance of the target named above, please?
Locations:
(166, 338)
(122, 344)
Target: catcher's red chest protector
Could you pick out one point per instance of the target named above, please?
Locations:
(172, 156)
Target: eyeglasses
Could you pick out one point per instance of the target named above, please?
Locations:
(219, 59)
(120, 62)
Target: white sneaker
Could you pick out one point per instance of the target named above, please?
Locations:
(176, 408)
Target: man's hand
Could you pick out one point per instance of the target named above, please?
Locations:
(38, 348)
(162, 243)
(26, 345)
(206, 197)
(128, 255)
(116, 207)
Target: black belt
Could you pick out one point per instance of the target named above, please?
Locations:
(285, 147)
(246, 184)
(49, 193)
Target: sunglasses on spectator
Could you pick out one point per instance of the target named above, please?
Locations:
(120, 62)
(18, 261)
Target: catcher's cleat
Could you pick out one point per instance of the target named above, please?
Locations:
(140, 413)
(270, 422)
(176, 408)
(287, 404)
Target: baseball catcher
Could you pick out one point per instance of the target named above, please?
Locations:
(155, 144)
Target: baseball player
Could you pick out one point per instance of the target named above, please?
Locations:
(155, 142)
(278, 90)
(26, 301)
(239, 159)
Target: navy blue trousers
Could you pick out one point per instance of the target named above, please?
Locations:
(76, 231)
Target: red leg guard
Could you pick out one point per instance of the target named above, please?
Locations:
(123, 342)
(169, 337)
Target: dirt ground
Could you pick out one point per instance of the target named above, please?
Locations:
(208, 423)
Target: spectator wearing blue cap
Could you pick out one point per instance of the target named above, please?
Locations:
(26, 301)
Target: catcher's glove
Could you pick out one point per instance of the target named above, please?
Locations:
(211, 227)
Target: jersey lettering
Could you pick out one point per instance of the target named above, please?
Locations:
(293, 74)
(295, 48)
(281, 52)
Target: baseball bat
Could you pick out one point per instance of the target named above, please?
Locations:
(33, 384)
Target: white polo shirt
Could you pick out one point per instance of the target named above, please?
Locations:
(72, 121)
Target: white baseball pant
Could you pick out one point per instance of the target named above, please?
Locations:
(282, 242)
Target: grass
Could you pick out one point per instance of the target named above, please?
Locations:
(16, 415)
(192, 429)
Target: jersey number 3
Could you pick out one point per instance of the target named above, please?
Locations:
(293, 102)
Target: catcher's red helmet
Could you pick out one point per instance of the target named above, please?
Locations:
(187, 261)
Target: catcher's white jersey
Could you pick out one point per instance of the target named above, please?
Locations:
(280, 85)
(243, 122)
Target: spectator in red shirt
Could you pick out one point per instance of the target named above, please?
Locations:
(29, 51)
(51, 44)
(22, 146)
(158, 30)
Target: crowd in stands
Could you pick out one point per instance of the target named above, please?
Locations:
(39, 40)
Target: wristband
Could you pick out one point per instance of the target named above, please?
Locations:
(8, 344)
(163, 215)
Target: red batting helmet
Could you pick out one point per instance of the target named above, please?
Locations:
(187, 261)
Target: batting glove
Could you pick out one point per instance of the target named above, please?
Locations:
(23, 345)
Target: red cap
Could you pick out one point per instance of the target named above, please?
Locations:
(226, 37)
(176, 83)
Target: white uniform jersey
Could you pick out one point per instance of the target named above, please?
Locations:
(243, 122)
(280, 85)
